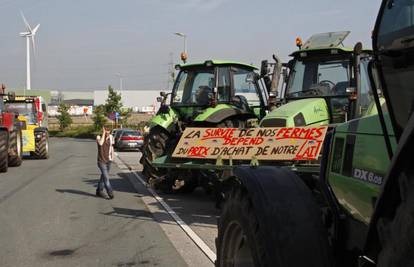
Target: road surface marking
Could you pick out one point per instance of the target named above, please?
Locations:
(190, 233)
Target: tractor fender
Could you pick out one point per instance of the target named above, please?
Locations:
(165, 120)
(219, 115)
(287, 212)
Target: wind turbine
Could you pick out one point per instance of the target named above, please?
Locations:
(29, 34)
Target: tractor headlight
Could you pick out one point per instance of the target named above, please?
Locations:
(299, 120)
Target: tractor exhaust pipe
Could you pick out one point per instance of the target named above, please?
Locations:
(277, 69)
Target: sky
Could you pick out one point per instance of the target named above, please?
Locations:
(82, 44)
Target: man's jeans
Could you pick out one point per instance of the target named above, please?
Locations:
(104, 181)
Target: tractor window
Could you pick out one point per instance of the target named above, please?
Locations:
(395, 45)
(398, 15)
(194, 87)
(245, 87)
(25, 109)
(323, 78)
(223, 88)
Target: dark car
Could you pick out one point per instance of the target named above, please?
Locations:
(129, 140)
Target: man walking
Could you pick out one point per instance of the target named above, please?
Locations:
(105, 158)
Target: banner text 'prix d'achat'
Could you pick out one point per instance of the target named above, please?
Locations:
(287, 143)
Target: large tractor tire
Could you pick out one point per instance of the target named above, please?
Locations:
(42, 147)
(281, 227)
(4, 151)
(155, 145)
(16, 147)
(397, 234)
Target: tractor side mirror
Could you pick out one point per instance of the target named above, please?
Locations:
(163, 94)
(350, 90)
(352, 93)
(264, 70)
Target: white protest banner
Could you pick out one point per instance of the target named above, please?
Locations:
(286, 143)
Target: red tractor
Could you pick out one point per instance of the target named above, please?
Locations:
(10, 136)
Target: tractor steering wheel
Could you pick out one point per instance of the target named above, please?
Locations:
(328, 82)
(312, 91)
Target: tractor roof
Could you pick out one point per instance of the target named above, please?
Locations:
(214, 62)
(325, 43)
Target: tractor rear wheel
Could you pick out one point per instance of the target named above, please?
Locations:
(16, 158)
(155, 145)
(42, 147)
(4, 148)
(285, 231)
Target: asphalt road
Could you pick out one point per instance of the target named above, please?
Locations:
(49, 216)
(196, 209)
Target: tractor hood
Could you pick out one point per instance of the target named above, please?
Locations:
(303, 112)
(222, 112)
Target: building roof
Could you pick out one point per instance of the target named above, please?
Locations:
(79, 102)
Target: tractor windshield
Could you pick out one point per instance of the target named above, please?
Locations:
(23, 108)
(318, 78)
(194, 87)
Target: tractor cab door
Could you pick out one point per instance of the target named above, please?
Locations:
(389, 241)
(393, 43)
(247, 92)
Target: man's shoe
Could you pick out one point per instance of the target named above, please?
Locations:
(110, 195)
(100, 194)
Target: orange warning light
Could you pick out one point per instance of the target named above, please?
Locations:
(184, 56)
(299, 42)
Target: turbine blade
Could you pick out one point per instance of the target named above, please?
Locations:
(35, 29)
(25, 21)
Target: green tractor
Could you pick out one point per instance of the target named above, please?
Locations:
(327, 84)
(209, 94)
(359, 209)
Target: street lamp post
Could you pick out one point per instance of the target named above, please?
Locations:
(183, 54)
(120, 81)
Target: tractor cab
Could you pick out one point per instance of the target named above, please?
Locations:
(214, 85)
(327, 84)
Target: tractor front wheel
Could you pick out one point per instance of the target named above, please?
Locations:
(155, 145)
(16, 147)
(42, 146)
(4, 147)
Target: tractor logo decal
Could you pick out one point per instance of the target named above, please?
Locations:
(367, 176)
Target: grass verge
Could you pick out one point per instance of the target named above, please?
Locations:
(85, 132)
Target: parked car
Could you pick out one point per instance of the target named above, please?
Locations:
(130, 140)
(117, 136)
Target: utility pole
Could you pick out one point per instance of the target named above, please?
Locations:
(120, 81)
